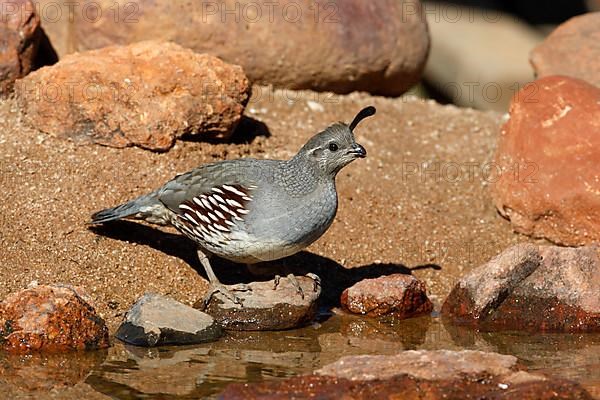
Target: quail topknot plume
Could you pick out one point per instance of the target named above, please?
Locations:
(249, 210)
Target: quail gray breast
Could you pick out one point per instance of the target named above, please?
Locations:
(250, 210)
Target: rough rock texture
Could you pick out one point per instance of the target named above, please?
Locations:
(465, 68)
(50, 318)
(571, 50)
(416, 375)
(531, 287)
(404, 296)
(267, 309)
(492, 282)
(146, 94)
(547, 179)
(20, 35)
(156, 320)
(339, 46)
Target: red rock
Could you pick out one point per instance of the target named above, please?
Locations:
(403, 387)
(529, 287)
(548, 180)
(404, 296)
(50, 318)
(571, 50)
(341, 46)
(146, 94)
(20, 36)
(413, 375)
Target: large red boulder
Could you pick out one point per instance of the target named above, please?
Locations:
(340, 45)
(548, 162)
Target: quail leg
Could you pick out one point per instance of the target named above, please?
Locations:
(216, 286)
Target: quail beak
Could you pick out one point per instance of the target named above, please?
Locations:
(358, 151)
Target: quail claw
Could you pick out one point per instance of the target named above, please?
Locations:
(240, 287)
(227, 292)
(296, 285)
(316, 281)
(293, 281)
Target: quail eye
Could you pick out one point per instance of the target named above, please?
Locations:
(333, 147)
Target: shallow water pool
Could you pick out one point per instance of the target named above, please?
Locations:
(203, 371)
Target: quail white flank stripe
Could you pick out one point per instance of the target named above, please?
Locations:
(250, 210)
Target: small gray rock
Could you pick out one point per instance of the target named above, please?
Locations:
(265, 308)
(156, 320)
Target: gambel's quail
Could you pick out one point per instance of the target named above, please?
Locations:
(249, 210)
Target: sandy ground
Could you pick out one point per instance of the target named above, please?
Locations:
(419, 203)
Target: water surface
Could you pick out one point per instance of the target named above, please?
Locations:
(127, 373)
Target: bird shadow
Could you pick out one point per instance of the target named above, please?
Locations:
(246, 132)
(335, 278)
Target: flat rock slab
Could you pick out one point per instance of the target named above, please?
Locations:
(147, 94)
(50, 318)
(155, 320)
(416, 375)
(420, 364)
(340, 46)
(548, 180)
(571, 50)
(403, 296)
(529, 287)
(265, 308)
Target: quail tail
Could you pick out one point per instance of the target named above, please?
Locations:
(147, 208)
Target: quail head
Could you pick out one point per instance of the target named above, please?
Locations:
(249, 210)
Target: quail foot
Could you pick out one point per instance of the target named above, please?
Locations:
(249, 210)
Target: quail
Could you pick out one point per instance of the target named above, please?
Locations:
(249, 210)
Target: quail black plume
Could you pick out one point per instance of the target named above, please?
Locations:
(250, 210)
